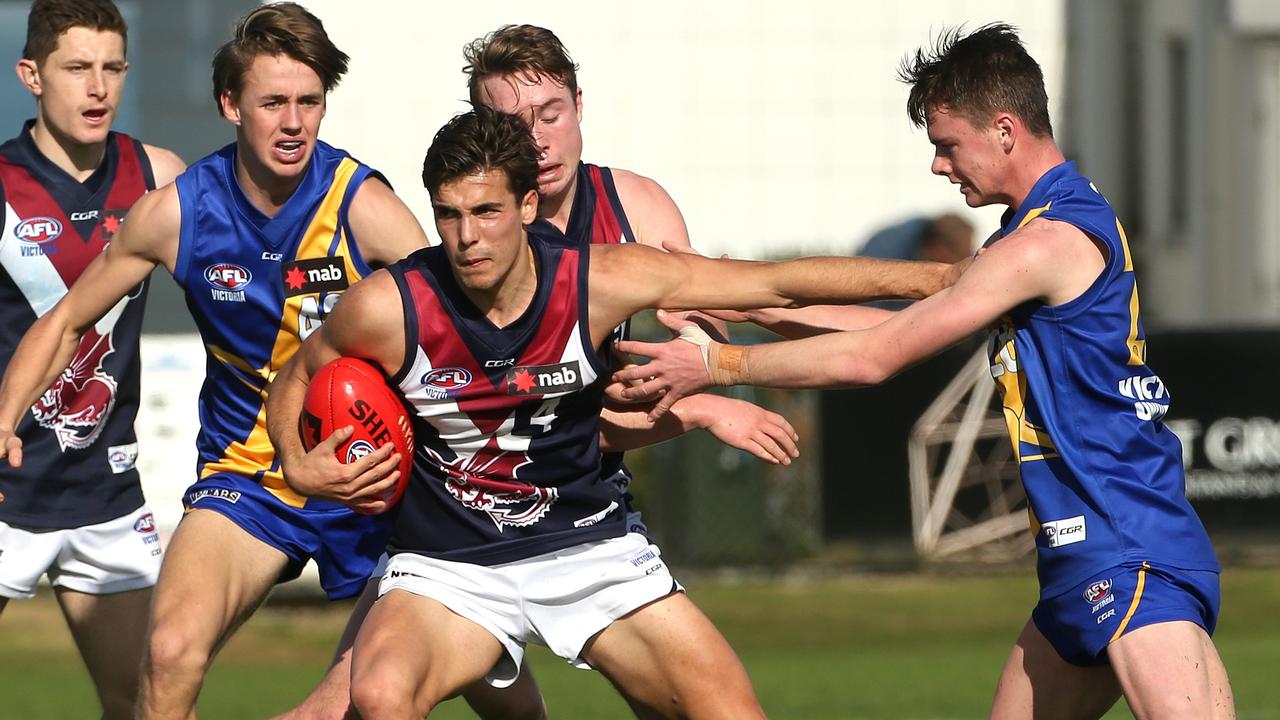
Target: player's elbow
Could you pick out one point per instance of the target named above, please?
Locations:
(864, 370)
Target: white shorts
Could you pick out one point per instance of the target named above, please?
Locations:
(559, 599)
(110, 557)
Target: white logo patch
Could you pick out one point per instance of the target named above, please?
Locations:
(1064, 532)
(122, 457)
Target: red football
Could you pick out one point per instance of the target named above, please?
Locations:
(349, 391)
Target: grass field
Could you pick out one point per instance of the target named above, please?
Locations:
(918, 646)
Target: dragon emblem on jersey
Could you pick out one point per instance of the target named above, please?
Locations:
(486, 481)
(79, 401)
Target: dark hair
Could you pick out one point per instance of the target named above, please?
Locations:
(976, 75)
(518, 49)
(282, 28)
(481, 140)
(48, 19)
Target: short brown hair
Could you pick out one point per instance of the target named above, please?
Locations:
(282, 28)
(518, 49)
(480, 140)
(976, 75)
(48, 19)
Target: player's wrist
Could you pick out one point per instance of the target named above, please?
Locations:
(726, 364)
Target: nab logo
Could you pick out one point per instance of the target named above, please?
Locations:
(1098, 591)
(445, 382)
(544, 379)
(314, 275)
(227, 276)
(145, 524)
(38, 230)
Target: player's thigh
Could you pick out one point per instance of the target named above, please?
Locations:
(668, 656)
(1037, 683)
(110, 631)
(1172, 670)
(411, 646)
(214, 576)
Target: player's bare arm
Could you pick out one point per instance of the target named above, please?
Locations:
(736, 423)
(149, 238)
(166, 166)
(385, 229)
(625, 279)
(368, 323)
(1049, 261)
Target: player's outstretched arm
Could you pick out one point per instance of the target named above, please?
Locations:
(1047, 260)
(736, 423)
(149, 238)
(384, 228)
(367, 323)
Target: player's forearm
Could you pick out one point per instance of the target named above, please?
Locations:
(44, 352)
(826, 361)
(795, 323)
(285, 396)
(625, 428)
(809, 281)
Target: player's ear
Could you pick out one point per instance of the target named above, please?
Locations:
(1007, 126)
(29, 75)
(529, 207)
(230, 110)
(577, 103)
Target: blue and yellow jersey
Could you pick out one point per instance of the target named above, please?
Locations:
(257, 286)
(1085, 413)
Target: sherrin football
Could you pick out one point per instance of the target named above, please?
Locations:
(350, 391)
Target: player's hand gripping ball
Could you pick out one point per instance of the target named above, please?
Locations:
(349, 391)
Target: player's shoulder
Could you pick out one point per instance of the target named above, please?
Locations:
(633, 186)
(166, 165)
(653, 215)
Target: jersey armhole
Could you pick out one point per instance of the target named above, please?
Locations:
(186, 231)
(363, 172)
(144, 161)
(410, 319)
(611, 191)
(4, 236)
(597, 357)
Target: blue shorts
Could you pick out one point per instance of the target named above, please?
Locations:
(1081, 622)
(345, 544)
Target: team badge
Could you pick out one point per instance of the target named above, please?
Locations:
(1097, 592)
(228, 281)
(445, 382)
(76, 405)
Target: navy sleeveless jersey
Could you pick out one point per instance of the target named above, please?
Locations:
(507, 420)
(257, 287)
(597, 217)
(1085, 413)
(78, 441)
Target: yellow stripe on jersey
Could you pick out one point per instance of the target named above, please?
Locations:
(300, 315)
(1033, 214)
(1133, 606)
(1012, 385)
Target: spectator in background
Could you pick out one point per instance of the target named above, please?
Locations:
(946, 238)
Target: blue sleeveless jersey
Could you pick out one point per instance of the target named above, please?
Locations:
(507, 420)
(1085, 413)
(78, 439)
(257, 287)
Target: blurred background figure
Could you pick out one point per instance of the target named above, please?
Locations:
(946, 238)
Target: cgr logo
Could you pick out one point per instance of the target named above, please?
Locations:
(38, 230)
(505, 362)
(227, 276)
(1064, 532)
(84, 215)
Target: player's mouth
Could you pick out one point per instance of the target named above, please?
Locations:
(471, 263)
(95, 116)
(548, 173)
(289, 151)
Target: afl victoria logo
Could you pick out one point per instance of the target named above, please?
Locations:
(38, 230)
(446, 381)
(145, 524)
(1098, 591)
(358, 449)
(227, 276)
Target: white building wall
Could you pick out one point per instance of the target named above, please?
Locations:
(778, 128)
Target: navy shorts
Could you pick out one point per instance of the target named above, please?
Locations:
(345, 544)
(1081, 622)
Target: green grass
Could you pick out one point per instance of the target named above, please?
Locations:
(901, 647)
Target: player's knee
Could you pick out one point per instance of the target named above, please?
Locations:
(174, 649)
(380, 694)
